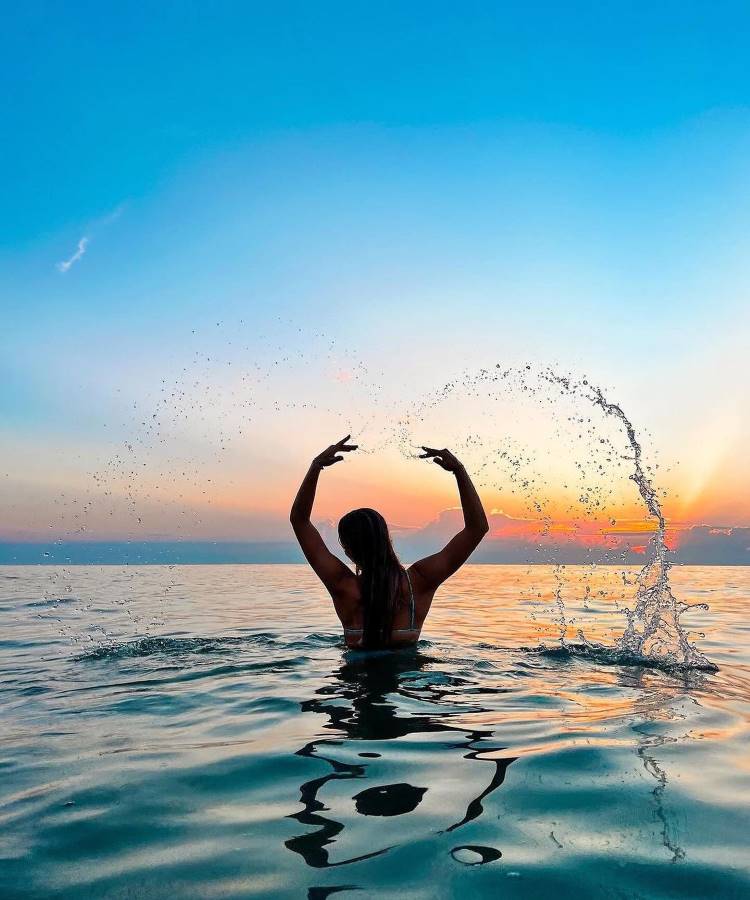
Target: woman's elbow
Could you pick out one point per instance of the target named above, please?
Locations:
(478, 531)
(481, 529)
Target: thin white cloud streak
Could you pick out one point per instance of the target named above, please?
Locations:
(64, 265)
(79, 254)
(113, 216)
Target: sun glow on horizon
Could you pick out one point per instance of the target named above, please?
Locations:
(200, 295)
(217, 452)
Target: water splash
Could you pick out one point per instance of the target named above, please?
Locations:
(172, 646)
(654, 634)
(653, 628)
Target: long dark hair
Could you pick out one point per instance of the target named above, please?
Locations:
(364, 536)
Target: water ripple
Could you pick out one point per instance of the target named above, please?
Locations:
(242, 751)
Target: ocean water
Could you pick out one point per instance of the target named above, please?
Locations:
(202, 732)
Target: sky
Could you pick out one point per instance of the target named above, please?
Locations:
(229, 236)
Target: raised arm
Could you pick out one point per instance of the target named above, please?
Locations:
(436, 568)
(329, 568)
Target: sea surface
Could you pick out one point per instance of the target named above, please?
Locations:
(201, 732)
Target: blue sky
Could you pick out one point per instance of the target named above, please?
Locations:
(432, 186)
(104, 103)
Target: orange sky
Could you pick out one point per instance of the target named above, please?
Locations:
(217, 450)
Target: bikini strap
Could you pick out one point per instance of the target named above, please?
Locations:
(412, 611)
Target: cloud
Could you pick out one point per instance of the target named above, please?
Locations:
(113, 216)
(64, 265)
(79, 254)
(707, 545)
(518, 540)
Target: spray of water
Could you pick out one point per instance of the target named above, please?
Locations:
(653, 634)
(653, 628)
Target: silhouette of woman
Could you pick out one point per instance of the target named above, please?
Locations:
(383, 604)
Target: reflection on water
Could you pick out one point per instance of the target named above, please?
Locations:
(359, 703)
(238, 750)
(657, 772)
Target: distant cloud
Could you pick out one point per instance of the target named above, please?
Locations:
(113, 216)
(513, 540)
(706, 545)
(64, 265)
(79, 254)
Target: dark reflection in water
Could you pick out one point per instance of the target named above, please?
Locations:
(320, 893)
(360, 702)
(388, 800)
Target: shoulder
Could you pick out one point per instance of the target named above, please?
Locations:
(418, 579)
(345, 588)
(414, 572)
(346, 596)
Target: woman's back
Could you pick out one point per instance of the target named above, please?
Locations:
(382, 605)
(405, 627)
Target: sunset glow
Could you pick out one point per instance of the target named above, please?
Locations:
(176, 348)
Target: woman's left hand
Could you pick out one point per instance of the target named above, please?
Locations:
(330, 455)
(444, 458)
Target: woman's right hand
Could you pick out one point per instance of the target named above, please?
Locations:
(330, 455)
(444, 458)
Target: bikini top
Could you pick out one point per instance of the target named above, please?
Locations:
(412, 614)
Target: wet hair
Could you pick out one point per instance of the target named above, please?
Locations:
(364, 536)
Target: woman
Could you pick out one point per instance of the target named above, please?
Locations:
(383, 604)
